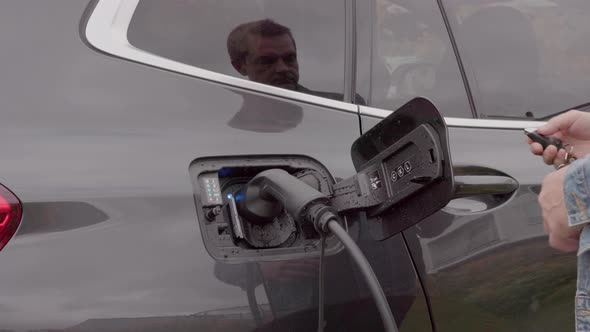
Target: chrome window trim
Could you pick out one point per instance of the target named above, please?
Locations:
(464, 122)
(106, 30)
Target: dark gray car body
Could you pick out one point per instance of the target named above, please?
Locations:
(97, 147)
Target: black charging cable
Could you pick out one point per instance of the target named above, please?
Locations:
(272, 190)
(321, 320)
(325, 219)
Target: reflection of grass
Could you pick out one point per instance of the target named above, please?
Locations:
(528, 287)
(417, 318)
(462, 318)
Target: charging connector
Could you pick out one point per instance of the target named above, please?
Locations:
(275, 187)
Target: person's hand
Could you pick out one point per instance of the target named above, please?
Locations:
(561, 235)
(291, 270)
(571, 128)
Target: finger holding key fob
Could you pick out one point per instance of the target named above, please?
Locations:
(545, 141)
(550, 157)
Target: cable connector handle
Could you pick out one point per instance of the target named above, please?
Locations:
(266, 190)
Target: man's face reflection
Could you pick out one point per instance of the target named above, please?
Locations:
(272, 60)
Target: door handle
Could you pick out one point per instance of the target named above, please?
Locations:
(479, 189)
(476, 180)
(472, 185)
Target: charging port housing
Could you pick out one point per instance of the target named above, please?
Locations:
(231, 237)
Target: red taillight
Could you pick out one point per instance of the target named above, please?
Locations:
(11, 212)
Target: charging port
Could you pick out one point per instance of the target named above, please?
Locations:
(230, 233)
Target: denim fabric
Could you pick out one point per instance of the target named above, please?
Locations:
(583, 289)
(576, 191)
(577, 201)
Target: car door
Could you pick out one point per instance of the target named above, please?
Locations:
(492, 70)
(106, 105)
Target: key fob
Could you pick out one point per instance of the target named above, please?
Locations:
(545, 141)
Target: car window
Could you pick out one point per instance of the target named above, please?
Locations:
(296, 45)
(408, 53)
(523, 59)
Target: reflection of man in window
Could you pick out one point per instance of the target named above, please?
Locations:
(265, 51)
